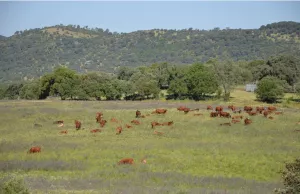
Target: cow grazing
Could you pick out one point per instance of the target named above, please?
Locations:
(161, 111)
(99, 116)
(272, 108)
(64, 132)
(225, 124)
(128, 126)
(252, 113)
(136, 122)
(126, 161)
(214, 114)
(247, 121)
(260, 109)
(181, 108)
(237, 117)
(119, 130)
(233, 108)
(158, 133)
(34, 150)
(96, 130)
(278, 113)
(209, 107)
(266, 113)
(248, 108)
(102, 123)
(77, 124)
(168, 123)
(186, 110)
(138, 114)
(154, 123)
(219, 108)
(224, 114)
(58, 122)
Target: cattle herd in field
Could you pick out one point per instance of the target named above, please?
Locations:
(235, 115)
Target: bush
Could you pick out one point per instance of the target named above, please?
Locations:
(291, 178)
(269, 89)
(13, 186)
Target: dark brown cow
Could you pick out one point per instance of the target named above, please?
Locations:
(77, 124)
(209, 107)
(247, 121)
(260, 109)
(128, 126)
(99, 116)
(119, 130)
(214, 114)
(167, 123)
(103, 122)
(136, 122)
(266, 113)
(270, 117)
(138, 114)
(224, 114)
(248, 108)
(35, 149)
(181, 108)
(233, 108)
(186, 110)
(126, 161)
(272, 108)
(237, 117)
(252, 113)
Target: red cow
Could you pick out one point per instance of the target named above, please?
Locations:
(233, 108)
(135, 122)
(126, 161)
(219, 109)
(138, 114)
(248, 108)
(237, 117)
(247, 121)
(168, 123)
(154, 123)
(77, 124)
(119, 130)
(260, 109)
(128, 126)
(272, 108)
(266, 113)
(224, 114)
(209, 107)
(252, 113)
(235, 121)
(186, 110)
(181, 108)
(99, 116)
(36, 149)
(160, 111)
(102, 123)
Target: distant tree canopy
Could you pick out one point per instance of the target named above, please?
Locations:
(31, 53)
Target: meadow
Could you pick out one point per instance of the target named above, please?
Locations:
(195, 155)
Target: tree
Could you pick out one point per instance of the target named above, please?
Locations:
(269, 89)
(178, 87)
(31, 91)
(200, 81)
(226, 74)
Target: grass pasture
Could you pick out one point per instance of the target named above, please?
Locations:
(195, 155)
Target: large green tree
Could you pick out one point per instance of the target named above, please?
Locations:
(269, 89)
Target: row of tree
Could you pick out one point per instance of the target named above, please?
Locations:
(198, 81)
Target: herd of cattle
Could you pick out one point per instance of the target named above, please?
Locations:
(235, 115)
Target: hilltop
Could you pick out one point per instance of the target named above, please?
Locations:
(31, 53)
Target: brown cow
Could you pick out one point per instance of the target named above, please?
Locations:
(35, 149)
(99, 116)
(224, 114)
(237, 117)
(260, 109)
(119, 130)
(247, 121)
(114, 120)
(248, 108)
(214, 114)
(77, 124)
(219, 109)
(126, 161)
(270, 117)
(168, 123)
(252, 113)
(154, 123)
(266, 113)
(272, 108)
(225, 124)
(103, 122)
(64, 132)
(233, 108)
(235, 121)
(138, 114)
(96, 130)
(158, 133)
(136, 122)
(181, 108)
(160, 111)
(209, 107)
(128, 126)
(186, 110)
(278, 113)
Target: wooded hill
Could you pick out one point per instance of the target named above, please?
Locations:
(32, 53)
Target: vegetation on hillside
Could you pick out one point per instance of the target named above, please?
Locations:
(31, 53)
(213, 79)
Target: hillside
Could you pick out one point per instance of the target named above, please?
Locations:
(32, 53)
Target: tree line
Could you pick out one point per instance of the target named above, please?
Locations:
(198, 81)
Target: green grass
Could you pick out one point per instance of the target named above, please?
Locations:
(195, 155)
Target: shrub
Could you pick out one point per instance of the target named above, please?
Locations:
(13, 186)
(291, 178)
(269, 89)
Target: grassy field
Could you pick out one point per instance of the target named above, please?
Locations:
(195, 155)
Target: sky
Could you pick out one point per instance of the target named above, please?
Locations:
(120, 16)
